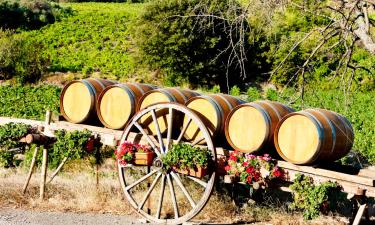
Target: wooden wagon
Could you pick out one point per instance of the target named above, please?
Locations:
(169, 197)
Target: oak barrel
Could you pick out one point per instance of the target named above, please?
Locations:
(313, 136)
(117, 103)
(250, 126)
(213, 110)
(163, 95)
(78, 99)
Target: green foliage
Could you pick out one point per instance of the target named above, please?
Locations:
(21, 57)
(186, 156)
(68, 144)
(15, 14)
(10, 134)
(235, 91)
(310, 197)
(170, 38)
(97, 34)
(253, 94)
(271, 94)
(29, 102)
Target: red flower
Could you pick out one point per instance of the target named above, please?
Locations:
(256, 176)
(249, 178)
(250, 169)
(233, 158)
(245, 163)
(227, 168)
(276, 172)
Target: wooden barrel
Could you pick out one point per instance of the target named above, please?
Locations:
(78, 99)
(213, 110)
(313, 136)
(117, 103)
(163, 95)
(250, 126)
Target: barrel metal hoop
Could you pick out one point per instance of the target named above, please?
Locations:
(318, 125)
(218, 109)
(138, 87)
(171, 97)
(273, 108)
(266, 117)
(334, 134)
(181, 94)
(225, 100)
(93, 93)
(99, 82)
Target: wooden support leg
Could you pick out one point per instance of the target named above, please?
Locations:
(31, 170)
(43, 174)
(359, 214)
(57, 170)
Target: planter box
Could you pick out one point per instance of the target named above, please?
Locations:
(199, 172)
(143, 158)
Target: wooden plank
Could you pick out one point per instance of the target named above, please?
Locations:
(367, 172)
(328, 173)
(4, 120)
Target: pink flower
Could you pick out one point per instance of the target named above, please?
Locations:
(233, 158)
(227, 168)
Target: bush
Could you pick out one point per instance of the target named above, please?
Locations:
(29, 15)
(21, 57)
(29, 102)
(171, 37)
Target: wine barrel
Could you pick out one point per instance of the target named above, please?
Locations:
(117, 103)
(213, 110)
(250, 126)
(78, 99)
(163, 95)
(313, 136)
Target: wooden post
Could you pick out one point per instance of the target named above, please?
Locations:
(31, 170)
(48, 117)
(43, 174)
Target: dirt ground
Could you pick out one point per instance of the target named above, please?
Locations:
(74, 198)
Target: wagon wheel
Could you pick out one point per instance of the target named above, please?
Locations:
(160, 195)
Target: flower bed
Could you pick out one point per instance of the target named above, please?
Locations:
(251, 169)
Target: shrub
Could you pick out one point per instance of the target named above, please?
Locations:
(21, 57)
(29, 15)
(171, 37)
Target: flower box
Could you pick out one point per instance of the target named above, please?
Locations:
(198, 172)
(143, 158)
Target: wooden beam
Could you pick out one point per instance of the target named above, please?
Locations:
(328, 173)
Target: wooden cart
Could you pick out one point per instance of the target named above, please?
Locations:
(169, 197)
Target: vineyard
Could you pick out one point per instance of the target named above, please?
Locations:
(178, 109)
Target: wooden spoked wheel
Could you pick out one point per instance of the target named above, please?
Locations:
(159, 195)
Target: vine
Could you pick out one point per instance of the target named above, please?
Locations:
(10, 134)
(309, 197)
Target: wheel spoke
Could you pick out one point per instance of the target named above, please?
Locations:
(149, 191)
(140, 180)
(201, 182)
(197, 141)
(183, 131)
(170, 127)
(161, 197)
(173, 196)
(147, 138)
(161, 144)
(186, 193)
